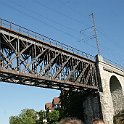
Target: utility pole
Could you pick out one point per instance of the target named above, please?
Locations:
(0, 35)
(94, 25)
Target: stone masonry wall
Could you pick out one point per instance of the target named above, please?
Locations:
(91, 108)
(118, 101)
(111, 101)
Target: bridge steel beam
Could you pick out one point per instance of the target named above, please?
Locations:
(29, 61)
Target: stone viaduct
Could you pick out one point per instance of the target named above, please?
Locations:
(111, 89)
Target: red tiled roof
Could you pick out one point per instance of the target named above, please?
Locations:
(48, 106)
(56, 100)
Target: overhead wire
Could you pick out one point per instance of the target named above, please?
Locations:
(114, 44)
(88, 37)
(69, 8)
(83, 40)
(83, 30)
(45, 17)
(86, 29)
(38, 19)
(58, 12)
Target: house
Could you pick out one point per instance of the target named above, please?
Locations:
(48, 107)
(54, 105)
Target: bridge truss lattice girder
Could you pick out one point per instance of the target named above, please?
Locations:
(28, 61)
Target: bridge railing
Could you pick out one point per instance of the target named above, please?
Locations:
(30, 33)
(113, 64)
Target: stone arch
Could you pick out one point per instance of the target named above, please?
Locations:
(117, 94)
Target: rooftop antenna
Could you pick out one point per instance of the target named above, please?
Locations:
(94, 26)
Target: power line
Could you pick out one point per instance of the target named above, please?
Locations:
(94, 36)
(88, 37)
(91, 27)
(70, 8)
(114, 44)
(35, 18)
(58, 12)
(91, 36)
(51, 20)
(85, 41)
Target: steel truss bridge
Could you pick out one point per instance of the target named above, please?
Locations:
(29, 58)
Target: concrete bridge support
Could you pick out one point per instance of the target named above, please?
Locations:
(111, 89)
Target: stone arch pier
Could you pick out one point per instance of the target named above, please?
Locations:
(111, 89)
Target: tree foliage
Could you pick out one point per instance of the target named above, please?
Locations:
(15, 120)
(41, 117)
(30, 116)
(27, 116)
(53, 116)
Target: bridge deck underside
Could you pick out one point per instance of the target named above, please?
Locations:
(28, 61)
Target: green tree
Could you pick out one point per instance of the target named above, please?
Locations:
(15, 120)
(41, 116)
(53, 116)
(27, 116)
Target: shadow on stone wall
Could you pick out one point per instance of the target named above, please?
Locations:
(82, 105)
(119, 118)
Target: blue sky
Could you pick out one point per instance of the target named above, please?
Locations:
(61, 20)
